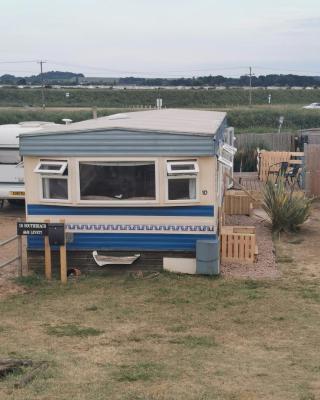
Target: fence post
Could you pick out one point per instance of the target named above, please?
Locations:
(19, 266)
(305, 171)
(47, 256)
(19, 261)
(63, 259)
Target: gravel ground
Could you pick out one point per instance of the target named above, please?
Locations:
(265, 267)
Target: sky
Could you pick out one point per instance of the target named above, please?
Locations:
(165, 38)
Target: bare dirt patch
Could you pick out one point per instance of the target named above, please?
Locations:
(8, 219)
(300, 251)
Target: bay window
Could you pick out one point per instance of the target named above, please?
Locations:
(119, 180)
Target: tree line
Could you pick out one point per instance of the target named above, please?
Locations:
(70, 78)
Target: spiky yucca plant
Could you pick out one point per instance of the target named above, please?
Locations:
(286, 209)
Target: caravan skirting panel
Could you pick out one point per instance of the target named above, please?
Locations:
(83, 260)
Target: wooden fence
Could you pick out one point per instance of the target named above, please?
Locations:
(237, 202)
(312, 136)
(268, 141)
(312, 169)
(268, 159)
(238, 244)
(18, 257)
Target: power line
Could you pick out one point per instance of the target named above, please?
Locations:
(287, 70)
(18, 62)
(170, 73)
(109, 70)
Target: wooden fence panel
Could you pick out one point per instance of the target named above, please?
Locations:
(237, 202)
(268, 141)
(269, 158)
(238, 244)
(312, 169)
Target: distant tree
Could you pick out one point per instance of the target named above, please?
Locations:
(21, 81)
(8, 79)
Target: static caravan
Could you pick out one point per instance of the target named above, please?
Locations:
(11, 167)
(147, 183)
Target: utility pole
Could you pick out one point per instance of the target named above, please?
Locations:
(41, 62)
(250, 86)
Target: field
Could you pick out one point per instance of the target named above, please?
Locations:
(170, 336)
(258, 119)
(22, 105)
(105, 98)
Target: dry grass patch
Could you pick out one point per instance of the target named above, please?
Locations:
(141, 371)
(173, 337)
(72, 330)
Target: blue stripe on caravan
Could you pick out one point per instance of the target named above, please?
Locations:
(125, 241)
(187, 211)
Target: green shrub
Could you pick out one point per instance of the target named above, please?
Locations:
(245, 159)
(286, 209)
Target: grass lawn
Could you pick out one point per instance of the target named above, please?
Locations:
(171, 337)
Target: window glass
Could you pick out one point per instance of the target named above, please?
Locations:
(117, 181)
(52, 167)
(182, 167)
(182, 189)
(179, 167)
(49, 167)
(55, 188)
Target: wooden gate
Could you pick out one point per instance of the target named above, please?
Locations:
(18, 257)
(312, 169)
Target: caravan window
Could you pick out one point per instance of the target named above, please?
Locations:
(54, 188)
(9, 156)
(54, 179)
(182, 177)
(123, 180)
(51, 167)
(182, 188)
(182, 167)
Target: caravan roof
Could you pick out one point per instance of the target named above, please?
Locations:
(165, 120)
(9, 133)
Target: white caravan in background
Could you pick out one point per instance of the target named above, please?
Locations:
(11, 165)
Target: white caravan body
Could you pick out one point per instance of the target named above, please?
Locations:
(11, 165)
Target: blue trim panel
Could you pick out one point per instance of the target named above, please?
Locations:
(187, 211)
(125, 241)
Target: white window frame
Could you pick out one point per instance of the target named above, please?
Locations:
(46, 176)
(185, 175)
(225, 162)
(182, 171)
(63, 166)
(117, 202)
(229, 149)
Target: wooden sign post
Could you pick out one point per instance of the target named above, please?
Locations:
(54, 235)
(63, 258)
(47, 256)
